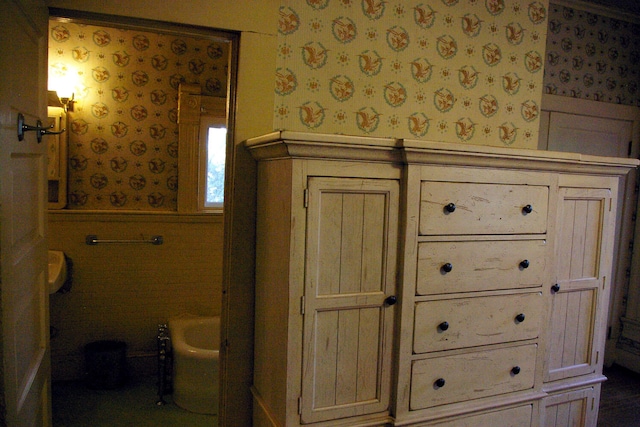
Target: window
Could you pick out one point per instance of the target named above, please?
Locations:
(212, 143)
(202, 146)
(216, 153)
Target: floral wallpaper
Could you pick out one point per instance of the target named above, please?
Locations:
(466, 71)
(123, 132)
(592, 57)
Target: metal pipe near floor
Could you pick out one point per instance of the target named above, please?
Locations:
(164, 363)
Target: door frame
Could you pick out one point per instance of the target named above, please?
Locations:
(627, 204)
(569, 105)
(233, 325)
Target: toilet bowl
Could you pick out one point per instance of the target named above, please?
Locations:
(195, 343)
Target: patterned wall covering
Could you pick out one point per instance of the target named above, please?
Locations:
(123, 143)
(448, 70)
(592, 57)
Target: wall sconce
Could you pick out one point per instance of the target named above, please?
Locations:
(62, 81)
(61, 98)
(66, 100)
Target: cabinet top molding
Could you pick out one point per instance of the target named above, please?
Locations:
(285, 144)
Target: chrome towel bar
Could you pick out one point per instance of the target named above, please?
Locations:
(92, 239)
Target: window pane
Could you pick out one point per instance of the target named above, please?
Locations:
(216, 153)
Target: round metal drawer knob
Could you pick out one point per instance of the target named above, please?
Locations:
(520, 318)
(443, 326)
(391, 300)
(451, 207)
(439, 383)
(515, 370)
(524, 264)
(555, 288)
(447, 267)
(527, 209)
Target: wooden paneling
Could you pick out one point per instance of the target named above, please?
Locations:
(123, 291)
(574, 408)
(572, 321)
(351, 240)
(272, 300)
(582, 220)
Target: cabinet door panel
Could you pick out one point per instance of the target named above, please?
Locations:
(347, 346)
(572, 320)
(576, 408)
(351, 233)
(577, 309)
(350, 271)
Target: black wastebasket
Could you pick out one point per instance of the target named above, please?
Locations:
(106, 364)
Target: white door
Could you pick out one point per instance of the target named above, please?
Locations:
(24, 347)
(598, 136)
(603, 129)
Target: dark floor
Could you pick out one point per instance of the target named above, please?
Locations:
(620, 398)
(74, 405)
(133, 405)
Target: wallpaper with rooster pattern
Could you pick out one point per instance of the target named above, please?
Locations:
(592, 57)
(450, 70)
(123, 136)
(466, 71)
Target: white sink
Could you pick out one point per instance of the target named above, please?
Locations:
(57, 270)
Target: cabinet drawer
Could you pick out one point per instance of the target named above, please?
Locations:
(446, 267)
(470, 322)
(514, 417)
(468, 208)
(456, 378)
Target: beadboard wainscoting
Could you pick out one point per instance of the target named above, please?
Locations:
(123, 291)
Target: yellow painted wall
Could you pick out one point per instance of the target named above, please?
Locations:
(123, 291)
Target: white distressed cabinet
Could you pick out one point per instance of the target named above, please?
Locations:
(326, 279)
(578, 300)
(405, 282)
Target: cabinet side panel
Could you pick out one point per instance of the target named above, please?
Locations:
(272, 286)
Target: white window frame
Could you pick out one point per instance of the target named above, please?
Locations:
(195, 113)
(213, 114)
